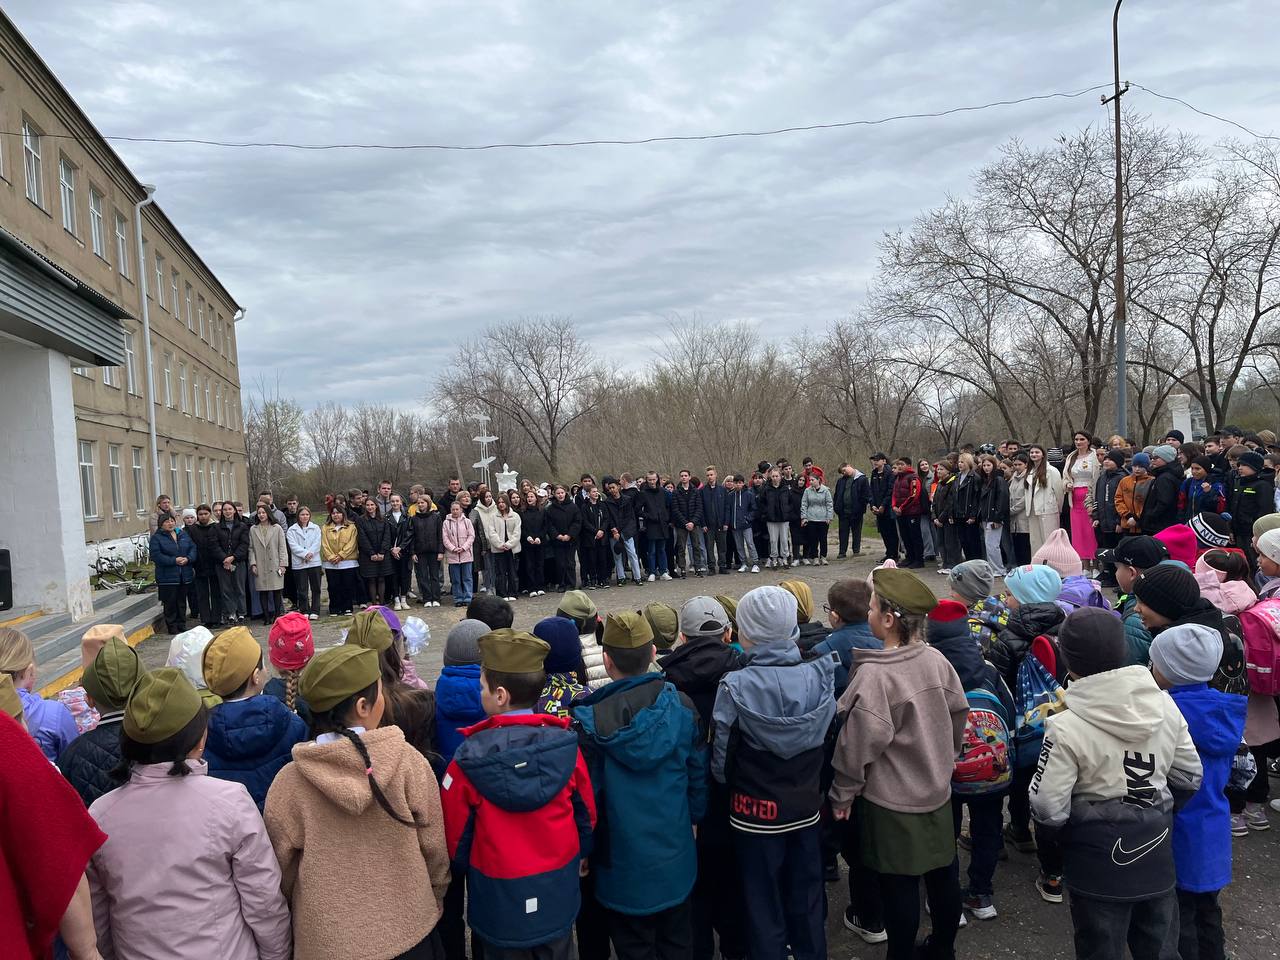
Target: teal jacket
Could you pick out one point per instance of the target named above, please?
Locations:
(1136, 636)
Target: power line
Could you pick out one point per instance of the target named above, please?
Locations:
(596, 142)
(1206, 113)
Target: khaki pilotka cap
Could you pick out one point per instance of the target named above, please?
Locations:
(337, 673)
(665, 623)
(513, 651)
(370, 629)
(161, 705)
(111, 676)
(230, 659)
(627, 630)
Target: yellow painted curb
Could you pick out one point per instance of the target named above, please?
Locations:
(72, 677)
(22, 619)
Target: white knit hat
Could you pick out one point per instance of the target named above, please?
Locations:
(767, 614)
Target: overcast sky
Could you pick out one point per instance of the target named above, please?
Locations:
(360, 269)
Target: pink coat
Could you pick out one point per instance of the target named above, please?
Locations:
(1229, 596)
(459, 534)
(187, 871)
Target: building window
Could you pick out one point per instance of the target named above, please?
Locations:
(214, 484)
(230, 352)
(117, 480)
(67, 188)
(131, 364)
(111, 376)
(191, 317)
(195, 394)
(208, 407)
(217, 333)
(200, 315)
(80, 370)
(173, 288)
(173, 474)
(231, 478)
(31, 161)
(97, 229)
(201, 477)
(160, 279)
(188, 478)
(233, 411)
(139, 482)
(122, 244)
(217, 404)
(168, 379)
(88, 482)
(182, 385)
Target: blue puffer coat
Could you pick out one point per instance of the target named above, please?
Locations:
(843, 642)
(648, 769)
(457, 705)
(1202, 828)
(165, 551)
(250, 741)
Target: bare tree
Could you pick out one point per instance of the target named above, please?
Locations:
(272, 436)
(537, 373)
(327, 432)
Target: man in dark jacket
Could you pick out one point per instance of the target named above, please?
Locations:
(740, 517)
(623, 528)
(209, 557)
(880, 485)
(1161, 507)
(89, 762)
(715, 522)
(646, 756)
(651, 509)
(686, 517)
(695, 667)
(852, 495)
(1253, 496)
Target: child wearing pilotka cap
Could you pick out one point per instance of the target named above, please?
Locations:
(1183, 659)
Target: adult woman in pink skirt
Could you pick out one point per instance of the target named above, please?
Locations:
(1080, 473)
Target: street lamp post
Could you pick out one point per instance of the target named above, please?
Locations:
(1122, 384)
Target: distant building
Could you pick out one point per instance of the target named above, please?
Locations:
(77, 462)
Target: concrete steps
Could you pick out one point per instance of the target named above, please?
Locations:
(56, 637)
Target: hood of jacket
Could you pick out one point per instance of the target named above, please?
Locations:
(519, 763)
(245, 729)
(633, 721)
(1215, 719)
(1125, 703)
(697, 665)
(486, 512)
(965, 657)
(1079, 591)
(1032, 619)
(458, 692)
(782, 702)
(336, 769)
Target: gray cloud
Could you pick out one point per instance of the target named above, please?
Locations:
(359, 269)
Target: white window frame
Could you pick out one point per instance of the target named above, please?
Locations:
(188, 480)
(111, 377)
(202, 479)
(200, 314)
(208, 405)
(195, 394)
(122, 244)
(32, 163)
(160, 280)
(168, 379)
(173, 475)
(131, 364)
(182, 387)
(217, 404)
(97, 226)
(229, 342)
(117, 479)
(139, 481)
(88, 480)
(231, 478)
(214, 486)
(173, 288)
(191, 321)
(67, 193)
(80, 370)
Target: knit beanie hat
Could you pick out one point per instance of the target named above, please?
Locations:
(1268, 521)
(1187, 653)
(561, 636)
(186, 652)
(768, 614)
(1141, 459)
(1180, 540)
(1058, 553)
(1204, 463)
(289, 644)
(1269, 545)
(972, 580)
(1116, 455)
(1212, 532)
(1037, 583)
(1175, 435)
(461, 646)
(949, 620)
(1252, 459)
(1092, 641)
(804, 598)
(1169, 589)
(1165, 453)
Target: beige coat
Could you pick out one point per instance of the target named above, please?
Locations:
(360, 883)
(267, 551)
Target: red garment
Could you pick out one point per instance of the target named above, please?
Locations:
(906, 493)
(46, 840)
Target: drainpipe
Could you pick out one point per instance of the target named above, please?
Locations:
(146, 336)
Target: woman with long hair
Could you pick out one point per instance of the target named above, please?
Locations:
(928, 482)
(233, 543)
(1044, 495)
(502, 529)
(303, 540)
(268, 559)
(376, 564)
(1019, 510)
(1081, 472)
(965, 508)
(534, 536)
(993, 510)
(401, 529)
(340, 559)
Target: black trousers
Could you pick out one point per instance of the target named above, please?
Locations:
(971, 542)
(715, 543)
(452, 926)
(815, 539)
(429, 948)
(306, 589)
(592, 925)
(912, 541)
(561, 949)
(1200, 934)
(901, 898)
(986, 823)
(864, 883)
(563, 550)
(596, 559)
(666, 935)
(851, 534)
(531, 567)
(1103, 928)
(784, 901)
(887, 526)
(209, 598)
(344, 586)
(504, 573)
(1048, 851)
(1022, 548)
(717, 904)
(950, 552)
(401, 579)
(174, 598)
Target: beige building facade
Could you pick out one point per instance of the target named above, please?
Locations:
(66, 194)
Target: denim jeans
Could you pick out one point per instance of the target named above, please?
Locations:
(986, 824)
(1103, 928)
(629, 545)
(460, 580)
(657, 557)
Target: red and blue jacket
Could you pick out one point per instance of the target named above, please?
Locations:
(518, 816)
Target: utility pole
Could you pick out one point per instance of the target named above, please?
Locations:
(1122, 383)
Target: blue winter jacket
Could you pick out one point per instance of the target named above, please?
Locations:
(457, 705)
(851, 636)
(1202, 828)
(740, 509)
(715, 505)
(165, 552)
(648, 769)
(251, 740)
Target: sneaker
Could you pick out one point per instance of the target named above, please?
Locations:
(868, 934)
(1275, 805)
(804, 562)
(1255, 815)
(640, 583)
(1022, 844)
(1239, 828)
(698, 574)
(755, 568)
(665, 576)
(944, 571)
(652, 577)
(823, 561)
(980, 905)
(795, 563)
(1050, 888)
(743, 568)
(313, 616)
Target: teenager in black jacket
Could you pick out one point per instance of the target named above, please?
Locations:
(233, 543)
(204, 533)
(1253, 496)
(562, 522)
(533, 531)
(946, 537)
(881, 484)
(428, 546)
(993, 510)
(964, 508)
(593, 541)
(851, 497)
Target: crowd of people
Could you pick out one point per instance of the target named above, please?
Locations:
(663, 782)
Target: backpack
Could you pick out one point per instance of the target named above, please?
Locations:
(984, 763)
(1231, 675)
(1261, 626)
(1039, 697)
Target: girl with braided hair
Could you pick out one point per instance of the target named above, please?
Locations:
(290, 647)
(361, 804)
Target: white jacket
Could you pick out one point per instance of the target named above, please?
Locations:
(301, 541)
(1046, 500)
(502, 529)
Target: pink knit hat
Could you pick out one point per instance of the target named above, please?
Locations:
(887, 565)
(1181, 542)
(1058, 553)
(290, 645)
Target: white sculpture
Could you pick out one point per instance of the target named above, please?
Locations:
(507, 478)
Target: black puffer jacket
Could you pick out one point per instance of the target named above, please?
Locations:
(1161, 507)
(563, 517)
(1012, 644)
(686, 506)
(90, 759)
(622, 516)
(233, 540)
(209, 553)
(428, 531)
(774, 503)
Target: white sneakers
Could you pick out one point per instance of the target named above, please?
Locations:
(755, 568)
(743, 568)
(313, 616)
(665, 576)
(653, 578)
